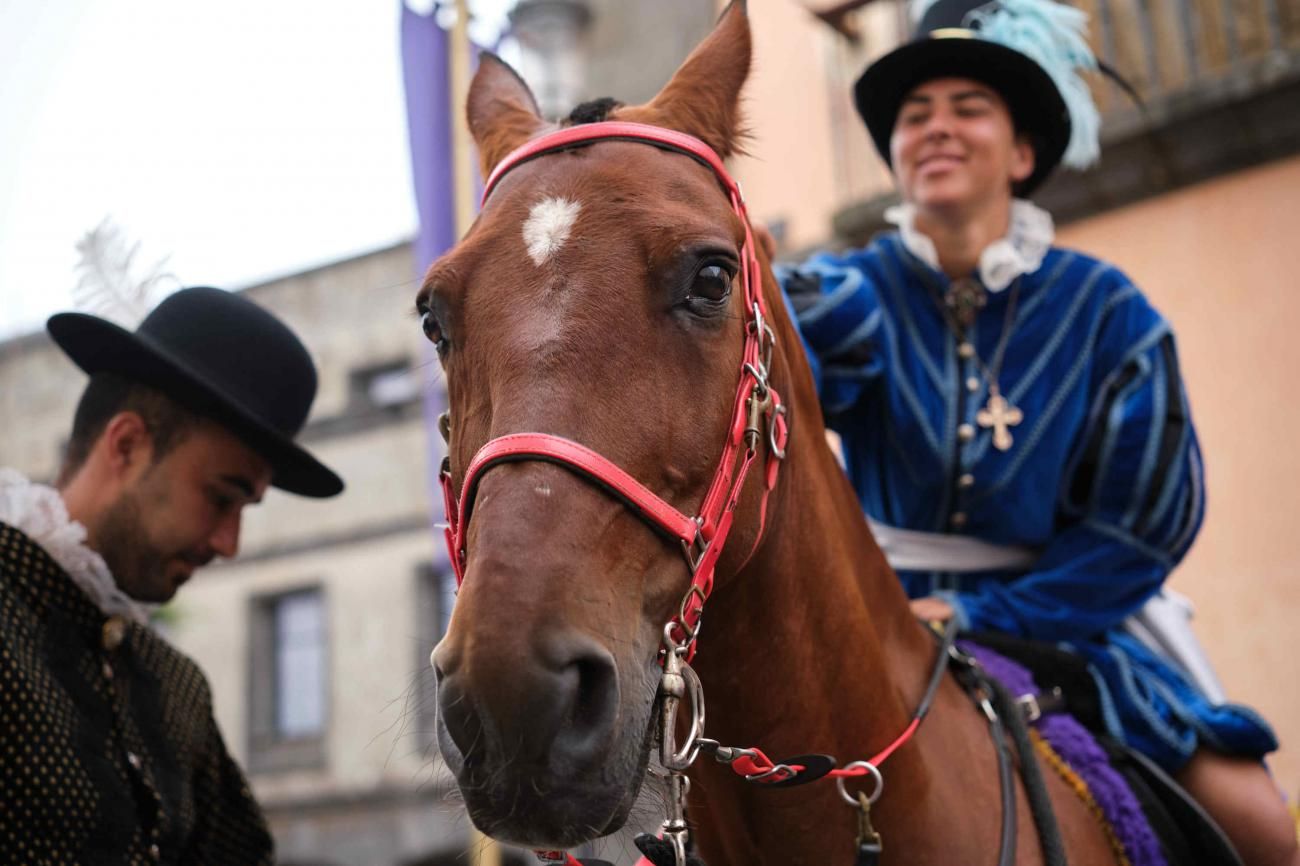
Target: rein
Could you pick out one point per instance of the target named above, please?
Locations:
(758, 419)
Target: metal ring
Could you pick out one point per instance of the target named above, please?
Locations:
(696, 691)
(674, 758)
(777, 451)
(872, 771)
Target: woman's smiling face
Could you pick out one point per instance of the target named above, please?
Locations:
(954, 145)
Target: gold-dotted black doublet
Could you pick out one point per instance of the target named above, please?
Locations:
(109, 753)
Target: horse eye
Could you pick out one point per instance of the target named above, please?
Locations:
(432, 329)
(711, 283)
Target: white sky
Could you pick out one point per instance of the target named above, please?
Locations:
(241, 139)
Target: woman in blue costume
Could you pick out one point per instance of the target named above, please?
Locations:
(1012, 413)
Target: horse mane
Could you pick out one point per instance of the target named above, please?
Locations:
(593, 111)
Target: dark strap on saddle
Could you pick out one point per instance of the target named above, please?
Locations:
(1040, 804)
(1005, 717)
(1052, 668)
(1007, 785)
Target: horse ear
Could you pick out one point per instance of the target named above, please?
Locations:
(501, 111)
(703, 97)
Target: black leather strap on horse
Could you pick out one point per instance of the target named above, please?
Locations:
(1040, 804)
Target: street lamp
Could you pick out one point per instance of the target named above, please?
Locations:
(553, 51)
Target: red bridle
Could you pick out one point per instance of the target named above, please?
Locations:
(757, 408)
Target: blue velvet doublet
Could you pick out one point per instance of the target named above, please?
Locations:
(1103, 479)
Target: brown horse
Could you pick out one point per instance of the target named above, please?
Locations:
(593, 299)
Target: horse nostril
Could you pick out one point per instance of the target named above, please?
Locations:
(596, 689)
(591, 678)
(557, 703)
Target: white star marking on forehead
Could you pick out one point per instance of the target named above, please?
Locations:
(548, 226)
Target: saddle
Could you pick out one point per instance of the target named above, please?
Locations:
(1187, 834)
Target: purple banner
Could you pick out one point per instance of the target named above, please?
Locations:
(427, 77)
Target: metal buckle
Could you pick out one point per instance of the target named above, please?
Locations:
(760, 406)
(694, 592)
(696, 550)
(1029, 708)
(1032, 707)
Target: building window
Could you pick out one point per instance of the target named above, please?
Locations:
(289, 679)
(384, 386)
(435, 596)
(299, 623)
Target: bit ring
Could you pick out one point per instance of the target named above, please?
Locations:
(872, 772)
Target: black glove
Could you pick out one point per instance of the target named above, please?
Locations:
(803, 289)
(659, 852)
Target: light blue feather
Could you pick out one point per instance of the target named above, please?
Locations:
(1056, 37)
(918, 8)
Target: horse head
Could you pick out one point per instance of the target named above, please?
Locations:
(599, 297)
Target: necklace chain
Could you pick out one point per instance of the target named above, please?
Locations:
(998, 414)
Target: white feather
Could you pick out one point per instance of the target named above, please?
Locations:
(109, 285)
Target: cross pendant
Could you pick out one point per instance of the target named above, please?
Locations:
(1001, 416)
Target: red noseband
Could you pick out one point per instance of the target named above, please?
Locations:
(757, 409)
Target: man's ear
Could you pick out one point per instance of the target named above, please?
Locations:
(1023, 159)
(126, 445)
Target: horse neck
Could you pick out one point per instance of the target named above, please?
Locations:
(811, 648)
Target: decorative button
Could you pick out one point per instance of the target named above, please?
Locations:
(107, 670)
(113, 632)
(972, 384)
(133, 759)
(965, 432)
(966, 350)
(966, 481)
(958, 519)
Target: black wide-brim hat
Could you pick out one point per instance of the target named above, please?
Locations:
(223, 357)
(947, 47)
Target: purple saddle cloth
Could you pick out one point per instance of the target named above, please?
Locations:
(1079, 749)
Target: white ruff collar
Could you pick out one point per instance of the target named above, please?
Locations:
(39, 513)
(1028, 239)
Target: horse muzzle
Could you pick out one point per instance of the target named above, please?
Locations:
(537, 741)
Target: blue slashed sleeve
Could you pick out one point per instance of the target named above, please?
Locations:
(1131, 503)
(835, 303)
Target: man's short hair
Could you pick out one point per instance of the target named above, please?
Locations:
(106, 395)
